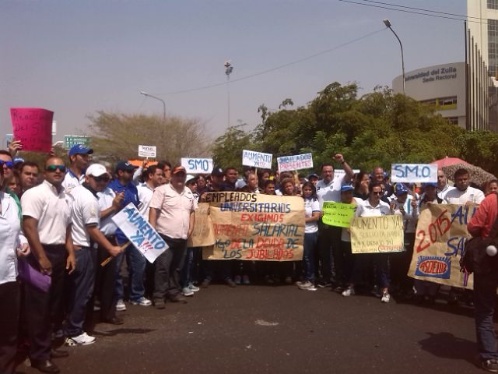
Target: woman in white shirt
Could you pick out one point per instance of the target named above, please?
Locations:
(312, 215)
(10, 242)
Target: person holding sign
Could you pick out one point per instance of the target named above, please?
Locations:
(172, 214)
(329, 237)
(375, 207)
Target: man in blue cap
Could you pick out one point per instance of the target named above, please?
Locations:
(79, 159)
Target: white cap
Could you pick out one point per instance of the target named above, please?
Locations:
(96, 170)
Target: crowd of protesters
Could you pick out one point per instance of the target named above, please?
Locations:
(56, 219)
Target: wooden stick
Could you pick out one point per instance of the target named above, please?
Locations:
(108, 259)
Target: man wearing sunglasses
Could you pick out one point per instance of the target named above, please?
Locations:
(47, 226)
(79, 158)
(86, 236)
(7, 164)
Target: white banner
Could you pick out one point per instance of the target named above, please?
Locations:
(198, 165)
(139, 232)
(256, 159)
(147, 151)
(413, 173)
(297, 162)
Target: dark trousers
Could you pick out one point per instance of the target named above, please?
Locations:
(484, 301)
(330, 262)
(105, 280)
(45, 310)
(400, 264)
(9, 322)
(80, 285)
(168, 267)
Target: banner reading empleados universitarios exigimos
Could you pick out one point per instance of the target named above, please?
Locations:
(439, 242)
(255, 227)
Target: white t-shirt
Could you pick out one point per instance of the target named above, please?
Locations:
(327, 192)
(71, 181)
(367, 210)
(51, 209)
(455, 196)
(442, 194)
(10, 238)
(85, 211)
(107, 225)
(311, 206)
(144, 195)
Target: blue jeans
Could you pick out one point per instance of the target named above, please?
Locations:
(118, 288)
(136, 269)
(485, 300)
(309, 247)
(186, 272)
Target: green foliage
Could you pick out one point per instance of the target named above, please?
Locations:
(480, 148)
(227, 149)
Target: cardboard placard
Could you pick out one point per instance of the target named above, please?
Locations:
(33, 127)
(382, 234)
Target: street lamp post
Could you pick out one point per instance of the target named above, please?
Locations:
(157, 98)
(389, 26)
(228, 71)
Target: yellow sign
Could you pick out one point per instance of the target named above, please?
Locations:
(382, 234)
(256, 227)
(338, 214)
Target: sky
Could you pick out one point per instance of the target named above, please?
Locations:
(77, 57)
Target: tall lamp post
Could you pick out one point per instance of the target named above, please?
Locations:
(389, 26)
(228, 71)
(157, 98)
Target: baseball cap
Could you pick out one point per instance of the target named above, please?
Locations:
(430, 184)
(124, 166)
(96, 170)
(80, 149)
(401, 189)
(179, 169)
(313, 176)
(347, 187)
(217, 172)
(18, 160)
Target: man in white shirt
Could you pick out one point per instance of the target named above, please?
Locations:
(47, 226)
(463, 193)
(79, 158)
(154, 178)
(329, 237)
(85, 214)
(442, 184)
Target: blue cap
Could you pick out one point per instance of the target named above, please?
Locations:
(125, 166)
(80, 149)
(401, 189)
(347, 187)
(430, 184)
(18, 160)
(217, 172)
(313, 176)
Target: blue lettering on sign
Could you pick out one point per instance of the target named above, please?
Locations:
(416, 171)
(198, 163)
(144, 230)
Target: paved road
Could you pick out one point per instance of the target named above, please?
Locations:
(258, 329)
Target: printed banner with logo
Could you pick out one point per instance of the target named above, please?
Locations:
(439, 243)
(255, 227)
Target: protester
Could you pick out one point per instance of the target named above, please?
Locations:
(29, 175)
(79, 158)
(443, 186)
(490, 187)
(172, 215)
(47, 226)
(463, 193)
(362, 181)
(485, 284)
(11, 241)
(14, 183)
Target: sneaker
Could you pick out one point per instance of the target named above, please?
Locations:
(142, 302)
(187, 291)
(159, 304)
(245, 280)
(308, 286)
(193, 288)
(348, 292)
(385, 297)
(237, 280)
(120, 306)
(82, 339)
(324, 284)
(230, 282)
(490, 365)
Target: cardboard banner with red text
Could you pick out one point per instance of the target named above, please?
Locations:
(383, 234)
(255, 227)
(439, 243)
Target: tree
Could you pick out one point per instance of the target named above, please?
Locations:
(227, 149)
(116, 136)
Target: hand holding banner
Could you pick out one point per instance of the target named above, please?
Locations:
(148, 151)
(256, 159)
(338, 214)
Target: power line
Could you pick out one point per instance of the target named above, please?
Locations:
(421, 13)
(274, 68)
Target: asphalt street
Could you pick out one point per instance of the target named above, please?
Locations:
(265, 329)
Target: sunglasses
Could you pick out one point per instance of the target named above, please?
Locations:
(377, 193)
(102, 178)
(8, 164)
(53, 168)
